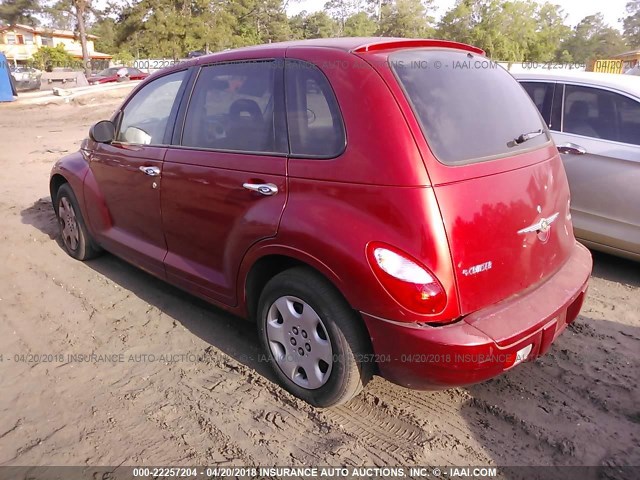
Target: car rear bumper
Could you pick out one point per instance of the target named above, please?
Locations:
(487, 342)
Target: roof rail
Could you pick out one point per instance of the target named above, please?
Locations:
(388, 44)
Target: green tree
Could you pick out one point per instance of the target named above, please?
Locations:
(64, 13)
(406, 18)
(123, 58)
(592, 39)
(550, 33)
(164, 28)
(360, 25)
(507, 29)
(60, 15)
(459, 22)
(172, 28)
(314, 25)
(341, 10)
(49, 57)
(106, 29)
(19, 11)
(81, 9)
(632, 24)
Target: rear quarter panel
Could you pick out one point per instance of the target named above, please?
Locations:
(329, 224)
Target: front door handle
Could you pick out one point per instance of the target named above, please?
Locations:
(267, 189)
(151, 171)
(572, 149)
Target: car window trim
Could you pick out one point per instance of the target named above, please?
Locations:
(595, 87)
(564, 91)
(120, 113)
(277, 84)
(185, 98)
(220, 150)
(554, 105)
(301, 156)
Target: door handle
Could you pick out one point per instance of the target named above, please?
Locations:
(267, 189)
(151, 171)
(572, 149)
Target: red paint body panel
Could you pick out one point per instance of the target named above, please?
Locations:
(482, 218)
(210, 220)
(134, 230)
(484, 344)
(334, 222)
(74, 168)
(201, 230)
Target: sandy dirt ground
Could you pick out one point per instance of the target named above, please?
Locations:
(217, 404)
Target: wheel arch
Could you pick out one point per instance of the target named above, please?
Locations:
(266, 266)
(56, 181)
(260, 267)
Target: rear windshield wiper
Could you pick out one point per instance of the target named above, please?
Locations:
(524, 137)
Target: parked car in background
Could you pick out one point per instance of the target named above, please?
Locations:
(370, 214)
(595, 121)
(26, 78)
(117, 74)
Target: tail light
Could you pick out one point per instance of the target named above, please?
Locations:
(407, 281)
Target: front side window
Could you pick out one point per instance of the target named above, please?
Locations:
(235, 107)
(28, 38)
(596, 113)
(146, 115)
(469, 108)
(11, 38)
(313, 117)
(542, 95)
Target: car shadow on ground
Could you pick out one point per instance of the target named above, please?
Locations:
(616, 269)
(230, 334)
(577, 405)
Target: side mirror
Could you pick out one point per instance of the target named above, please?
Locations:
(103, 132)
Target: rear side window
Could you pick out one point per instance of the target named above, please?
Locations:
(233, 107)
(596, 113)
(470, 109)
(313, 117)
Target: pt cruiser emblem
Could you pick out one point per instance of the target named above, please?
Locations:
(541, 227)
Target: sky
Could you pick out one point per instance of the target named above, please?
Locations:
(613, 10)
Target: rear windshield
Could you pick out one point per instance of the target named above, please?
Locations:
(470, 109)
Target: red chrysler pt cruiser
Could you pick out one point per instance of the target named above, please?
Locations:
(375, 205)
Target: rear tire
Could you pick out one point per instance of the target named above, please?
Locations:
(76, 239)
(315, 342)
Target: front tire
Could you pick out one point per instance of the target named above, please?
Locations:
(316, 344)
(76, 239)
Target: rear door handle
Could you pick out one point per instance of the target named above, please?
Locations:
(572, 149)
(267, 189)
(151, 171)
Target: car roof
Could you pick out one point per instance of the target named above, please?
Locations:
(626, 83)
(356, 45)
(353, 44)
